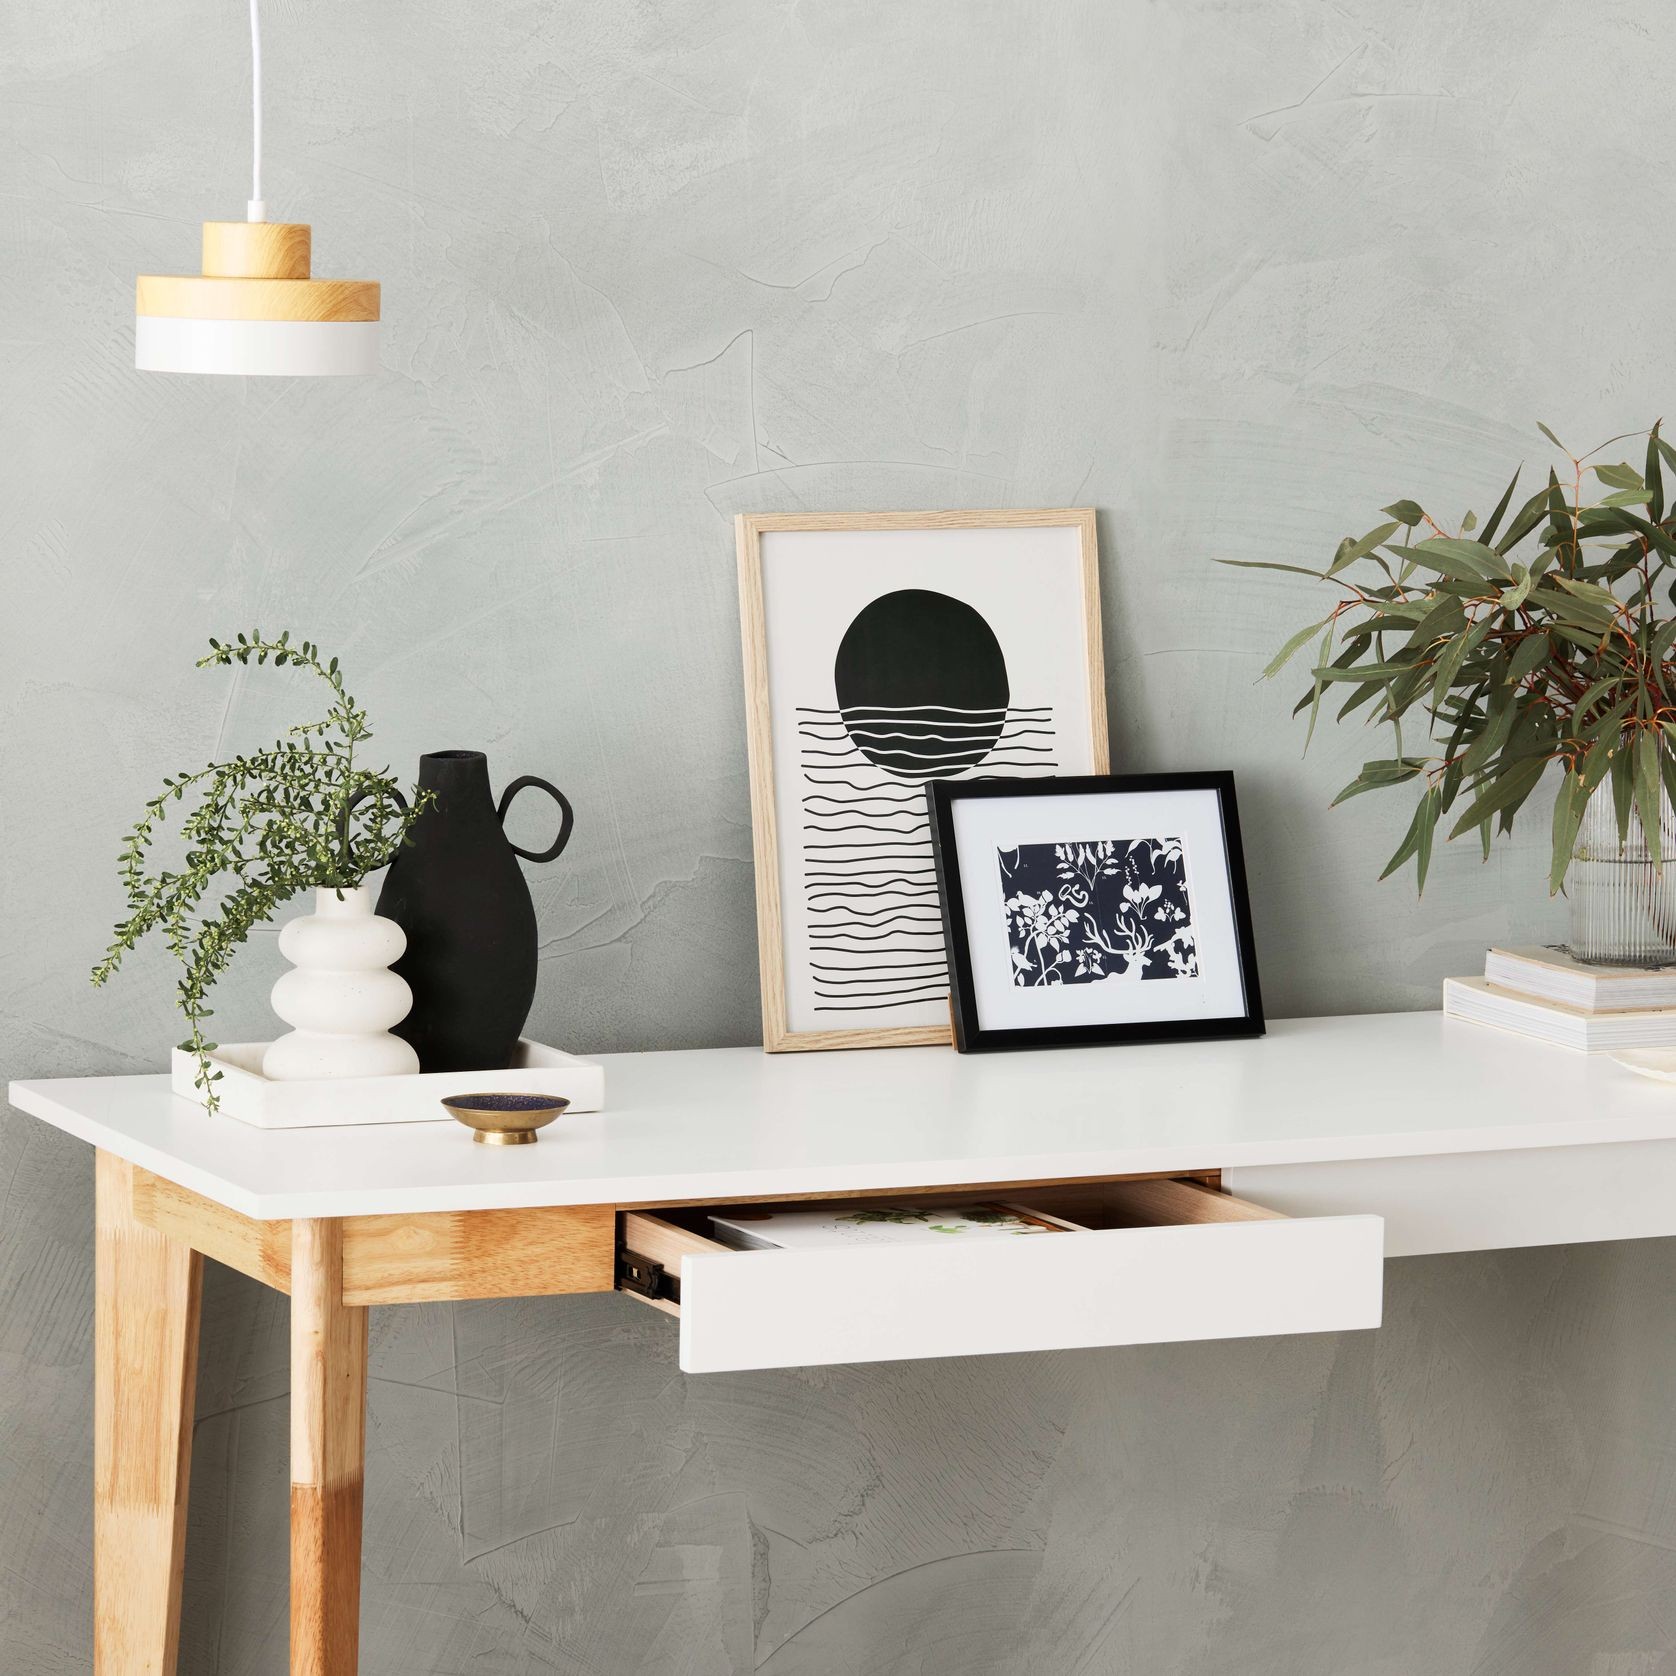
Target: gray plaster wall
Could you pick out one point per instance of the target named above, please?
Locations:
(1235, 271)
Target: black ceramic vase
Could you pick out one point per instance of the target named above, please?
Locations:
(457, 891)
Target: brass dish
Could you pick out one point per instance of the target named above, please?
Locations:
(505, 1119)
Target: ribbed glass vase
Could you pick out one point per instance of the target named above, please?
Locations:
(1623, 912)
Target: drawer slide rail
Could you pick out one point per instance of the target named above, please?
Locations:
(647, 1279)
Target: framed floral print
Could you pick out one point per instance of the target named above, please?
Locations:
(1097, 908)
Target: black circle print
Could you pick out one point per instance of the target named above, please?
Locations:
(922, 685)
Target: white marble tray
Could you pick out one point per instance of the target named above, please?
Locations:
(247, 1095)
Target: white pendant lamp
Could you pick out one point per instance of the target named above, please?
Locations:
(254, 308)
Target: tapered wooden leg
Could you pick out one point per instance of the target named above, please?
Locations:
(328, 1445)
(145, 1338)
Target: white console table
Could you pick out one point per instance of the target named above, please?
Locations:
(1226, 1189)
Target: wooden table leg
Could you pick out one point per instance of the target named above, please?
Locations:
(145, 1337)
(328, 1445)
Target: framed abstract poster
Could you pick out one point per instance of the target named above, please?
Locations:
(885, 652)
(1111, 908)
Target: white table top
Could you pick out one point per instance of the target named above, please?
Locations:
(720, 1123)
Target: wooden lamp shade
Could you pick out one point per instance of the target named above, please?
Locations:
(255, 309)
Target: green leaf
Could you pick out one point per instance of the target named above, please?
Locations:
(1593, 694)
(1598, 762)
(1593, 522)
(1466, 561)
(1603, 600)
(1264, 564)
(1619, 476)
(1320, 687)
(1655, 537)
(1410, 844)
(1494, 736)
(1667, 766)
(1446, 566)
(1559, 509)
(1284, 656)
(1501, 507)
(1406, 689)
(1532, 652)
(1509, 811)
(1358, 698)
(1482, 558)
(1587, 641)
(1343, 661)
(1430, 809)
(1495, 794)
(1607, 725)
(1582, 604)
(1393, 615)
(1626, 497)
(1554, 439)
(1623, 791)
(1450, 659)
(1569, 803)
(1512, 598)
(1446, 616)
(1524, 521)
(1376, 776)
(1362, 672)
(1406, 512)
(1653, 473)
(1469, 523)
(1647, 793)
(1350, 551)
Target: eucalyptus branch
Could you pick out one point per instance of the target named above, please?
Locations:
(1543, 646)
(262, 827)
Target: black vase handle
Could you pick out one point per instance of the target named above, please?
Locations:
(567, 816)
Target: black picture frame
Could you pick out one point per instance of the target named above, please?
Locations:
(969, 1032)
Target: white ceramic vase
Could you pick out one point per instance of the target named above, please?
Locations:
(341, 998)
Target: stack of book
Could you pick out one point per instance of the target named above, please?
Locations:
(1544, 993)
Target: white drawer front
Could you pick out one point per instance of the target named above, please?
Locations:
(1149, 1285)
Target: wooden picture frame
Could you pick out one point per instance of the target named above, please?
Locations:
(1052, 884)
(1042, 566)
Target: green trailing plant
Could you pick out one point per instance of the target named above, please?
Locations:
(1540, 641)
(257, 830)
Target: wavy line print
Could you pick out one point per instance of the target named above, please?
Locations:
(878, 1006)
(826, 733)
(921, 709)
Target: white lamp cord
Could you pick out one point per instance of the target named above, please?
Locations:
(256, 210)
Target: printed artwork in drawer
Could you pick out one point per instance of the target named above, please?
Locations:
(1090, 909)
(755, 1229)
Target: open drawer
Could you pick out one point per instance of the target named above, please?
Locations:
(1148, 1262)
